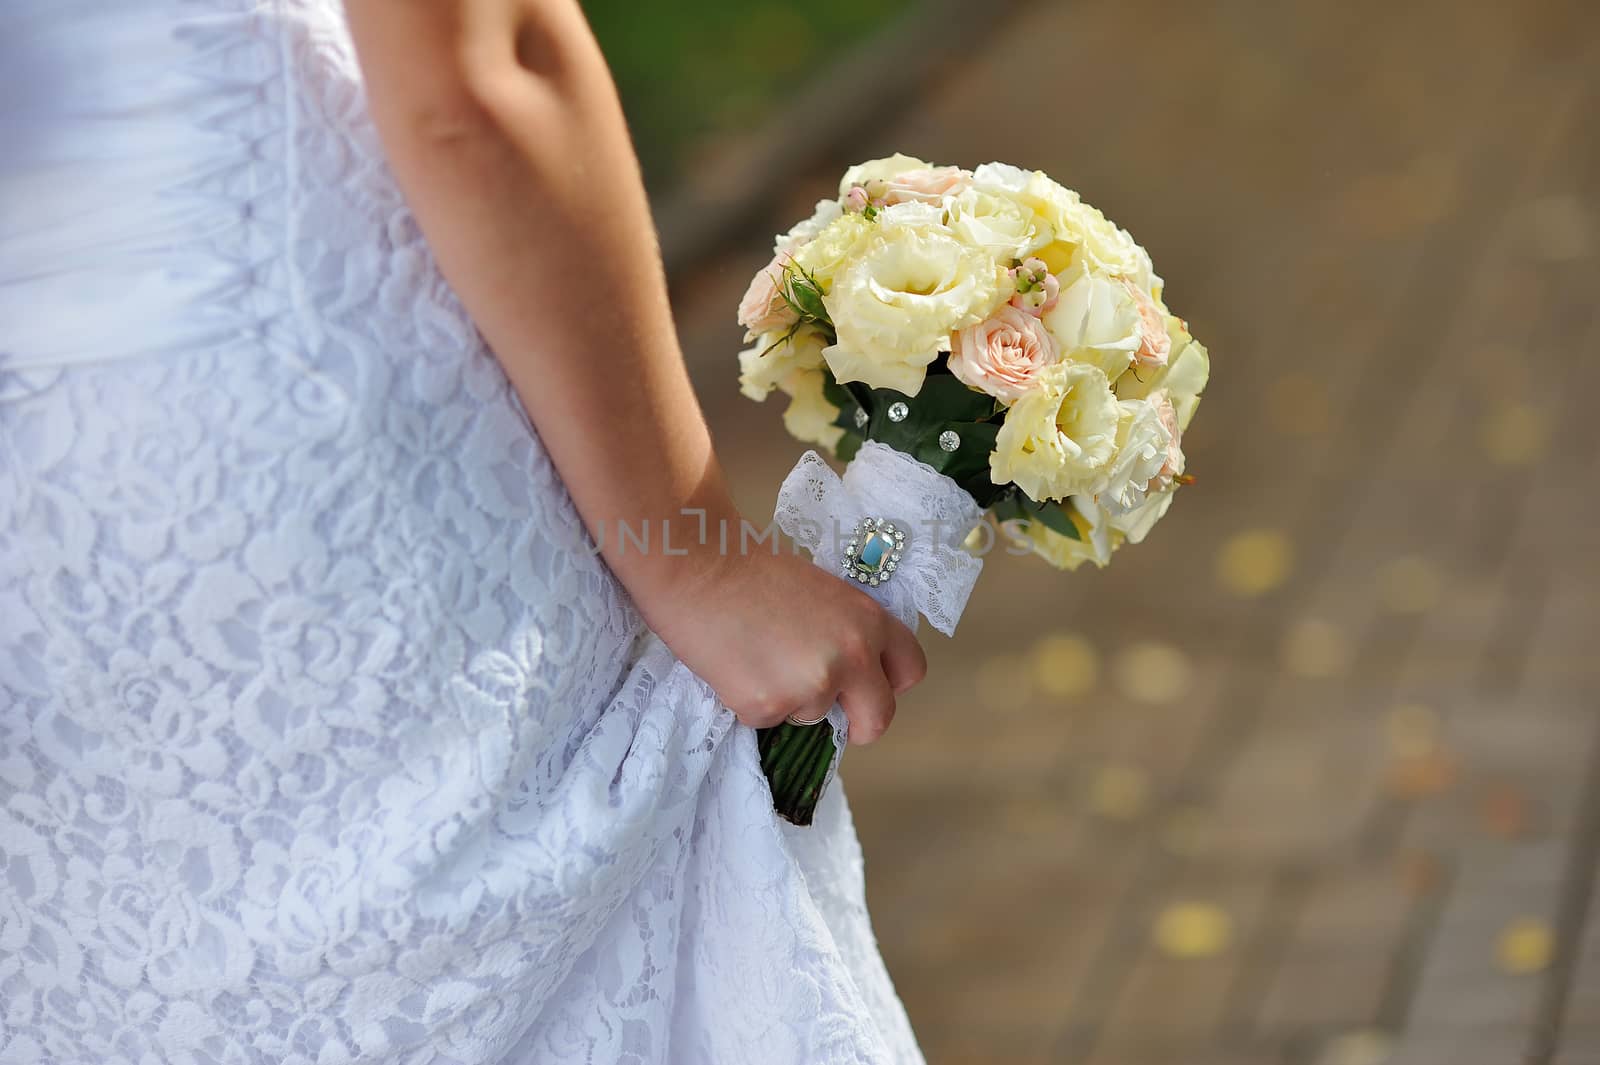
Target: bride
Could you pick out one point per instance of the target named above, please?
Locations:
(326, 735)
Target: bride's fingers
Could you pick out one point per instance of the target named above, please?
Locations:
(903, 661)
(868, 701)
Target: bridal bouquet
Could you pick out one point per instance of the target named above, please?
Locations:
(971, 342)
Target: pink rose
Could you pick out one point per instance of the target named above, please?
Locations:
(1154, 343)
(763, 309)
(926, 185)
(1002, 354)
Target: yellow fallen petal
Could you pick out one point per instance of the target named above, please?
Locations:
(1409, 585)
(1065, 665)
(1525, 946)
(1120, 792)
(1315, 648)
(1193, 930)
(1153, 672)
(1255, 562)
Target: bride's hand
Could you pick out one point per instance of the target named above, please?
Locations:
(775, 635)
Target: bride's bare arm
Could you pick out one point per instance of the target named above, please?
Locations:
(503, 127)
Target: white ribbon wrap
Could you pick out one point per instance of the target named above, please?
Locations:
(934, 576)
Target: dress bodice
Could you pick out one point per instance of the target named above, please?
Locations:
(142, 192)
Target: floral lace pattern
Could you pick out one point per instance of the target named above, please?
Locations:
(325, 737)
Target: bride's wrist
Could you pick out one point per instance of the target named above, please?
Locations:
(667, 559)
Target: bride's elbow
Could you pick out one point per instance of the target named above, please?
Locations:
(485, 77)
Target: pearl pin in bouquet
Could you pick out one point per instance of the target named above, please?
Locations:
(972, 343)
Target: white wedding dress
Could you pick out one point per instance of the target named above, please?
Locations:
(325, 737)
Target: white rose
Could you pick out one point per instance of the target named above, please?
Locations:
(896, 301)
(1183, 377)
(1081, 236)
(1137, 523)
(1142, 449)
(1101, 247)
(1096, 321)
(885, 169)
(1031, 187)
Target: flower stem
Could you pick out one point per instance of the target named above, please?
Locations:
(796, 765)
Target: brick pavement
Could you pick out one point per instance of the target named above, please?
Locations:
(1382, 775)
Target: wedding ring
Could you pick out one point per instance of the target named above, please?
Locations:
(803, 722)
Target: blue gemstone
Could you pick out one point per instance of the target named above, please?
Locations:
(873, 552)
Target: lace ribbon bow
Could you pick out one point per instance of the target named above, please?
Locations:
(933, 575)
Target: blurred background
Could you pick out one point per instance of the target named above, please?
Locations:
(1312, 777)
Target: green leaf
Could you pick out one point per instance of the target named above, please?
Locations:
(968, 465)
(1055, 518)
(1016, 506)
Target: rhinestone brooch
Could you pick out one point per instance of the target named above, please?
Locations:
(949, 440)
(873, 553)
(898, 411)
(861, 418)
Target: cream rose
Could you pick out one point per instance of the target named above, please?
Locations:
(1002, 354)
(1058, 439)
(1096, 321)
(763, 309)
(1183, 378)
(896, 301)
(773, 359)
(1005, 226)
(810, 416)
